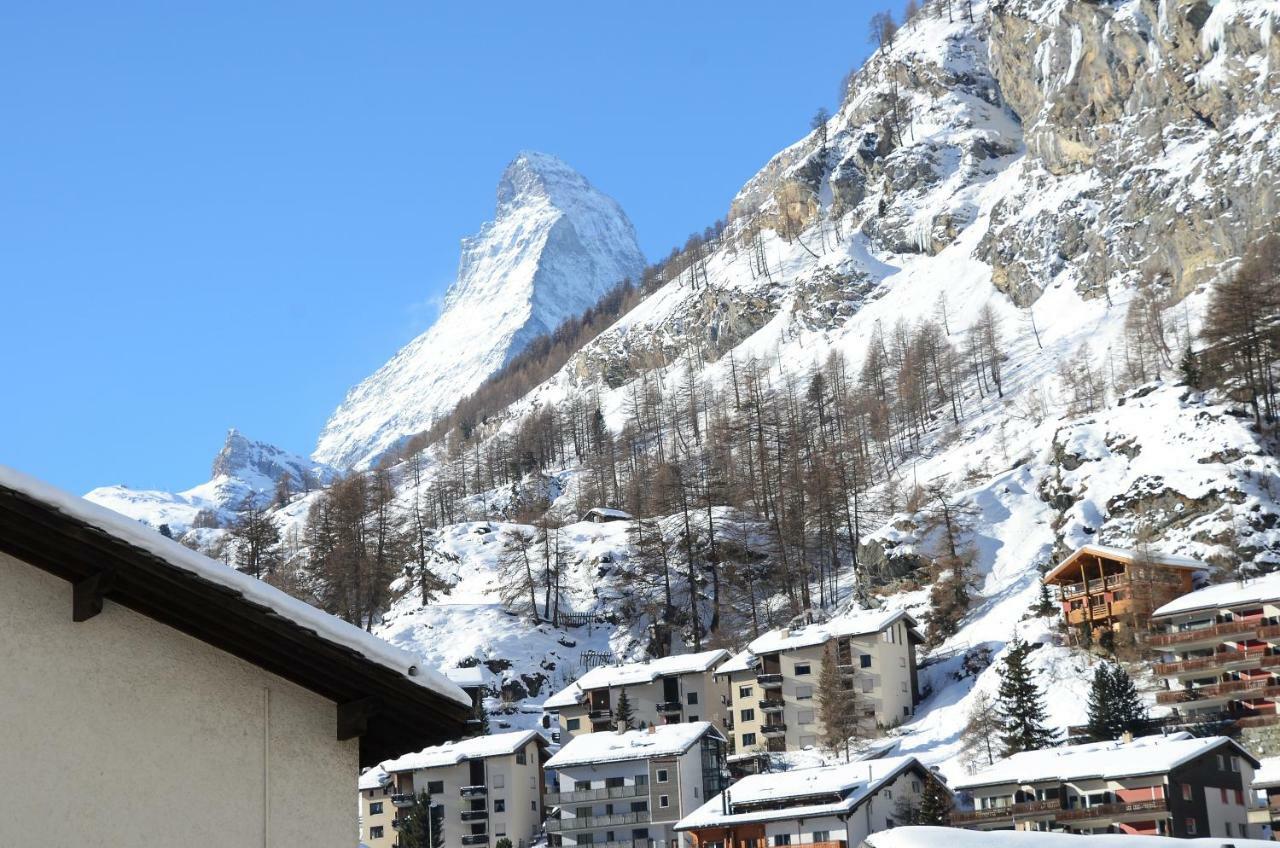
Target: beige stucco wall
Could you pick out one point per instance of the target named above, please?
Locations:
(122, 731)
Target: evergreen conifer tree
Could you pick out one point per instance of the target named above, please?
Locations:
(419, 827)
(935, 804)
(1020, 703)
(1099, 726)
(624, 717)
(837, 706)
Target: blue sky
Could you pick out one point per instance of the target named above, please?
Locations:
(218, 214)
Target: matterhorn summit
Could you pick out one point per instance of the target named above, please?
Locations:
(556, 244)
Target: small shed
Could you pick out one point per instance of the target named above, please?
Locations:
(603, 514)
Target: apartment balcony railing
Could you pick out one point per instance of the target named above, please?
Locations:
(1012, 811)
(771, 705)
(1225, 630)
(475, 839)
(769, 681)
(605, 793)
(475, 815)
(473, 791)
(1269, 632)
(402, 800)
(1220, 659)
(591, 822)
(1258, 721)
(774, 729)
(1111, 811)
(1238, 688)
(600, 715)
(669, 707)
(1098, 584)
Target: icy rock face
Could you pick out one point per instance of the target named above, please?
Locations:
(554, 247)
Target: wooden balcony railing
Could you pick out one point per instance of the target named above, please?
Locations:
(1218, 660)
(1107, 811)
(1240, 688)
(1218, 631)
(1013, 811)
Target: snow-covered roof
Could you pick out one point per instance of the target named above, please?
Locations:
(1127, 555)
(660, 740)
(470, 677)
(825, 790)
(854, 623)
(452, 753)
(741, 661)
(932, 837)
(1145, 755)
(634, 674)
(1268, 773)
(608, 512)
(1224, 595)
(304, 615)
(373, 778)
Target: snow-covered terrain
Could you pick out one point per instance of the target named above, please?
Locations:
(555, 246)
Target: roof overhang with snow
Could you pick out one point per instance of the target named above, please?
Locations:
(1122, 555)
(381, 694)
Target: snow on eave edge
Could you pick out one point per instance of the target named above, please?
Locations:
(325, 626)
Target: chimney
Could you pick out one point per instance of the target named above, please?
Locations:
(652, 729)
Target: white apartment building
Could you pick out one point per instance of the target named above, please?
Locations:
(628, 790)
(826, 807)
(485, 788)
(773, 685)
(669, 690)
(377, 811)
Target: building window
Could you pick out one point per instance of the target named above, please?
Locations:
(662, 777)
(375, 809)
(804, 693)
(867, 686)
(639, 833)
(521, 759)
(904, 686)
(1240, 797)
(744, 691)
(1191, 827)
(693, 698)
(748, 715)
(782, 839)
(804, 717)
(822, 836)
(802, 668)
(642, 780)
(1186, 791)
(375, 832)
(693, 718)
(435, 787)
(902, 662)
(1223, 790)
(581, 785)
(1228, 827)
(888, 824)
(748, 739)
(499, 805)
(915, 786)
(572, 723)
(1222, 763)
(664, 801)
(499, 780)
(808, 741)
(865, 660)
(500, 829)
(1235, 764)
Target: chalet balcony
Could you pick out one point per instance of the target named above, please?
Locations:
(778, 729)
(1265, 720)
(772, 705)
(669, 708)
(402, 800)
(592, 822)
(475, 815)
(600, 715)
(769, 681)
(475, 839)
(1216, 633)
(1112, 812)
(1027, 809)
(1235, 689)
(473, 791)
(1270, 632)
(606, 793)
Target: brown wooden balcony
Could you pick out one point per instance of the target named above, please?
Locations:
(1226, 630)
(1043, 809)
(1238, 689)
(1114, 811)
(1269, 632)
(1258, 721)
(1221, 659)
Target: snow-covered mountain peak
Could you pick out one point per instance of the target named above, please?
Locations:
(556, 244)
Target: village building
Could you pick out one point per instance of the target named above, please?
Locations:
(629, 789)
(1266, 788)
(130, 659)
(826, 807)
(1218, 650)
(669, 690)
(773, 685)
(604, 514)
(482, 789)
(1106, 591)
(377, 812)
(1175, 785)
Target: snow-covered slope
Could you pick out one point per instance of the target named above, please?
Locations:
(554, 247)
(243, 469)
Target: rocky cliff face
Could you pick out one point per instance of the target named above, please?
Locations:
(555, 246)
